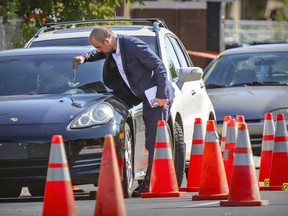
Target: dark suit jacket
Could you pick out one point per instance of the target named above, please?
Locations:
(143, 68)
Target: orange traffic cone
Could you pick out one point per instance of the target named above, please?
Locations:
(163, 181)
(279, 164)
(229, 150)
(213, 184)
(58, 196)
(244, 189)
(110, 197)
(196, 157)
(224, 132)
(267, 148)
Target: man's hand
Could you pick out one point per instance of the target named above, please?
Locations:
(161, 102)
(77, 60)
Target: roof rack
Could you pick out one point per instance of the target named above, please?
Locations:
(156, 23)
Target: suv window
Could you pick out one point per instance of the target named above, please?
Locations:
(173, 61)
(180, 52)
(84, 41)
(62, 42)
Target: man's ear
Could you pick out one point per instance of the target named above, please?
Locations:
(106, 41)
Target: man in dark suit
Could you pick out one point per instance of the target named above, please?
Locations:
(130, 68)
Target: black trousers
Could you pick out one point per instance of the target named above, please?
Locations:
(151, 116)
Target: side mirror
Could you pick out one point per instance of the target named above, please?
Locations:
(188, 74)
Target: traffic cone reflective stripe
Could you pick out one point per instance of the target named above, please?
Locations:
(224, 133)
(243, 189)
(58, 196)
(267, 148)
(242, 157)
(213, 183)
(279, 164)
(196, 157)
(110, 197)
(58, 163)
(163, 181)
(229, 150)
(58, 173)
(163, 151)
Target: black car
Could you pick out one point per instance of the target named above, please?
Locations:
(38, 100)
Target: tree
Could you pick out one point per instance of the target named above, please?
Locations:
(280, 15)
(35, 13)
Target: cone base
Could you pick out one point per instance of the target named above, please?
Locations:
(163, 195)
(59, 198)
(189, 189)
(245, 203)
(271, 188)
(210, 197)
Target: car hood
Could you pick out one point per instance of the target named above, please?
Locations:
(36, 109)
(251, 101)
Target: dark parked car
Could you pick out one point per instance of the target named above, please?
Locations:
(249, 81)
(39, 97)
(37, 101)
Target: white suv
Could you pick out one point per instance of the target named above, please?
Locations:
(191, 99)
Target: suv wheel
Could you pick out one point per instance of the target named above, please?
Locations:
(128, 176)
(179, 154)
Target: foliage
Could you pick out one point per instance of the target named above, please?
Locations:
(281, 16)
(35, 13)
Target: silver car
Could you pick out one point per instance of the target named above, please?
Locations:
(249, 81)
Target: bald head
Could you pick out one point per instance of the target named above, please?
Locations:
(100, 33)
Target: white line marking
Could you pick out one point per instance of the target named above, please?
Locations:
(202, 204)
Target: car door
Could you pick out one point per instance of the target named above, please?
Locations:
(189, 95)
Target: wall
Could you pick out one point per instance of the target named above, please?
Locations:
(186, 19)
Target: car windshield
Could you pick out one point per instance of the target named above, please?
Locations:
(248, 69)
(48, 74)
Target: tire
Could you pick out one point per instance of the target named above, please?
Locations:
(37, 189)
(180, 153)
(10, 191)
(128, 174)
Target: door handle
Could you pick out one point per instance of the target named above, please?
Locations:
(193, 92)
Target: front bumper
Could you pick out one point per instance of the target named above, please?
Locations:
(25, 161)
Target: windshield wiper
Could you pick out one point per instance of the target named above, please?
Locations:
(252, 83)
(214, 85)
(275, 83)
(259, 83)
(37, 93)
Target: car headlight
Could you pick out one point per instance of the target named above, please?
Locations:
(283, 111)
(97, 114)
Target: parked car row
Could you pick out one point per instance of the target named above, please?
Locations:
(38, 101)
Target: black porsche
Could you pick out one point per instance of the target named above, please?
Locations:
(40, 96)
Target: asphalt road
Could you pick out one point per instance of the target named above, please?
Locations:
(26, 205)
(278, 206)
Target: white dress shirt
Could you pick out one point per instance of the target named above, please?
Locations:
(118, 60)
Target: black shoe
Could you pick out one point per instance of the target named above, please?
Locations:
(143, 188)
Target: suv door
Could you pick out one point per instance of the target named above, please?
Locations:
(189, 95)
